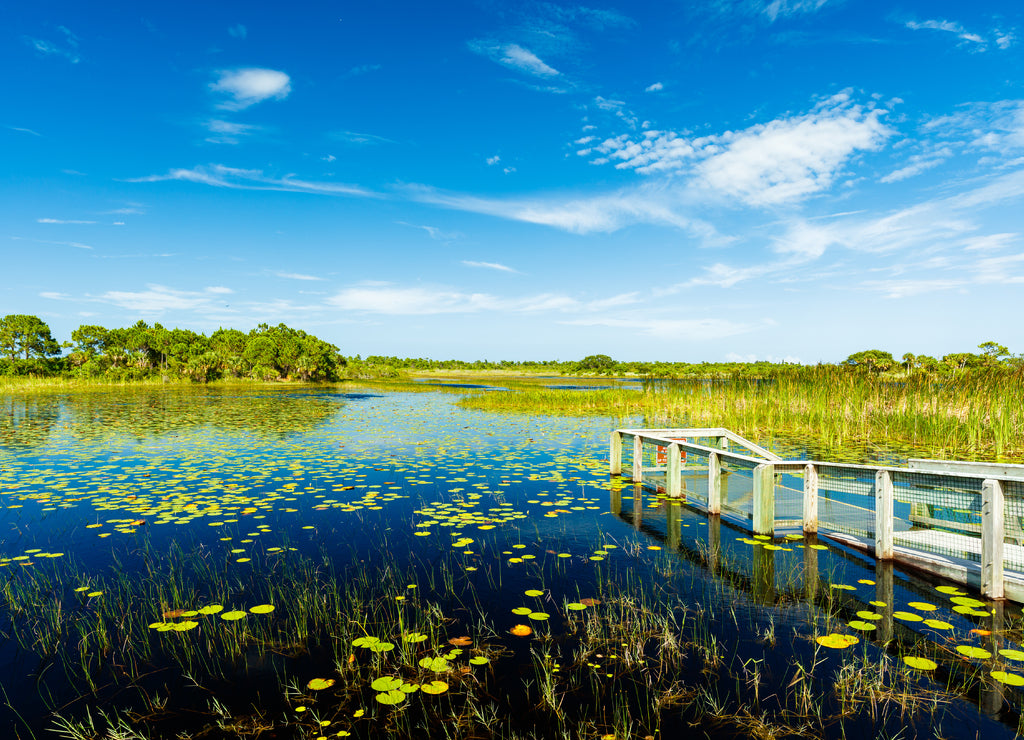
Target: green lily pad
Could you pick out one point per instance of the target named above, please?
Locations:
(386, 683)
(921, 664)
(534, 592)
(1010, 679)
(863, 626)
(538, 616)
(522, 610)
(437, 665)
(938, 624)
(575, 607)
(434, 687)
(391, 697)
(973, 652)
(1012, 654)
(479, 660)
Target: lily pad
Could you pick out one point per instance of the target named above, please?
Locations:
(233, 616)
(319, 684)
(1012, 654)
(538, 616)
(479, 660)
(970, 651)
(534, 592)
(391, 697)
(863, 626)
(938, 624)
(835, 640)
(575, 607)
(1010, 679)
(434, 687)
(386, 683)
(921, 664)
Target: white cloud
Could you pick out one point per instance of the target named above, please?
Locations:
(489, 266)
(602, 213)
(514, 57)
(23, 130)
(493, 160)
(156, 299)
(250, 85)
(221, 176)
(61, 221)
(654, 88)
(768, 164)
(227, 132)
(950, 27)
(434, 232)
(238, 31)
(297, 276)
(987, 126)
(359, 139)
(219, 290)
(398, 301)
(919, 163)
(68, 50)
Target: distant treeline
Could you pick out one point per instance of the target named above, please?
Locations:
(141, 351)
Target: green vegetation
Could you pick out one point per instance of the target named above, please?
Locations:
(143, 352)
(970, 414)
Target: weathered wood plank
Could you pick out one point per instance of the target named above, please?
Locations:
(883, 515)
(992, 534)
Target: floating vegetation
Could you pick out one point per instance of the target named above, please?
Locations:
(393, 566)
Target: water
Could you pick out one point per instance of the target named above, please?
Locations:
(393, 515)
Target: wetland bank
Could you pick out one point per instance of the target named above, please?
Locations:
(333, 561)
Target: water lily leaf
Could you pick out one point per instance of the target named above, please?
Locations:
(575, 607)
(951, 590)
(233, 616)
(938, 624)
(843, 586)
(863, 626)
(391, 697)
(1012, 654)
(922, 606)
(973, 652)
(365, 641)
(211, 609)
(413, 637)
(522, 610)
(479, 660)
(460, 641)
(185, 626)
(381, 647)
(521, 630)
(538, 616)
(319, 684)
(386, 683)
(964, 609)
(921, 664)
(872, 616)
(434, 687)
(262, 609)
(437, 664)
(837, 641)
(967, 601)
(908, 616)
(534, 592)
(1010, 679)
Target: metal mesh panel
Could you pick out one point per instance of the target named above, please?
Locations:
(937, 513)
(1013, 525)
(789, 498)
(846, 500)
(738, 487)
(695, 477)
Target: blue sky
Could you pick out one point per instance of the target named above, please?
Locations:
(685, 181)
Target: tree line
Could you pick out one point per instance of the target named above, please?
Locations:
(142, 351)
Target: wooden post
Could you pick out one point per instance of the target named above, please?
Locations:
(883, 515)
(992, 534)
(638, 459)
(884, 584)
(810, 499)
(674, 473)
(615, 453)
(714, 484)
(764, 499)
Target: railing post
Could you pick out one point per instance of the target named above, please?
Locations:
(638, 459)
(714, 484)
(883, 515)
(764, 499)
(810, 499)
(674, 473)
(615, 453)
(992, 533)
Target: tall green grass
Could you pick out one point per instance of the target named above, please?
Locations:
(976, 415)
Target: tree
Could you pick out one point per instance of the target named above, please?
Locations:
(600, 364)
(874, 360)
(996, 354)
(28, 335)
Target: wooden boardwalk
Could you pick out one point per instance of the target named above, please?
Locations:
(949, 518)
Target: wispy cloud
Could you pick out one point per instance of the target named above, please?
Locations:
(221, 176)
(61, 221)
(490, 266)
(582, 215)
(655, 87)
(238, 31)
(250, 85)
(975, 41)
(23, 130)
(156, 299)
(67, 48)
(514, 57)
(362, 69)
(354, 137)
(227, 132)
(919, 163)
(434, 232)
(76, 245)
(296, 276)
(400, 301)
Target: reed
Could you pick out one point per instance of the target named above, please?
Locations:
(827, 410)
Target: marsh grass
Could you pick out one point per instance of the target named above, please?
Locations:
(976, 415)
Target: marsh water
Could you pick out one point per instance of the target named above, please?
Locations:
(322, 562)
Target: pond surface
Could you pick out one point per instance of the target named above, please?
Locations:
(309, 562)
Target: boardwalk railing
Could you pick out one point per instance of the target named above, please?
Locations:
(963, 521)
